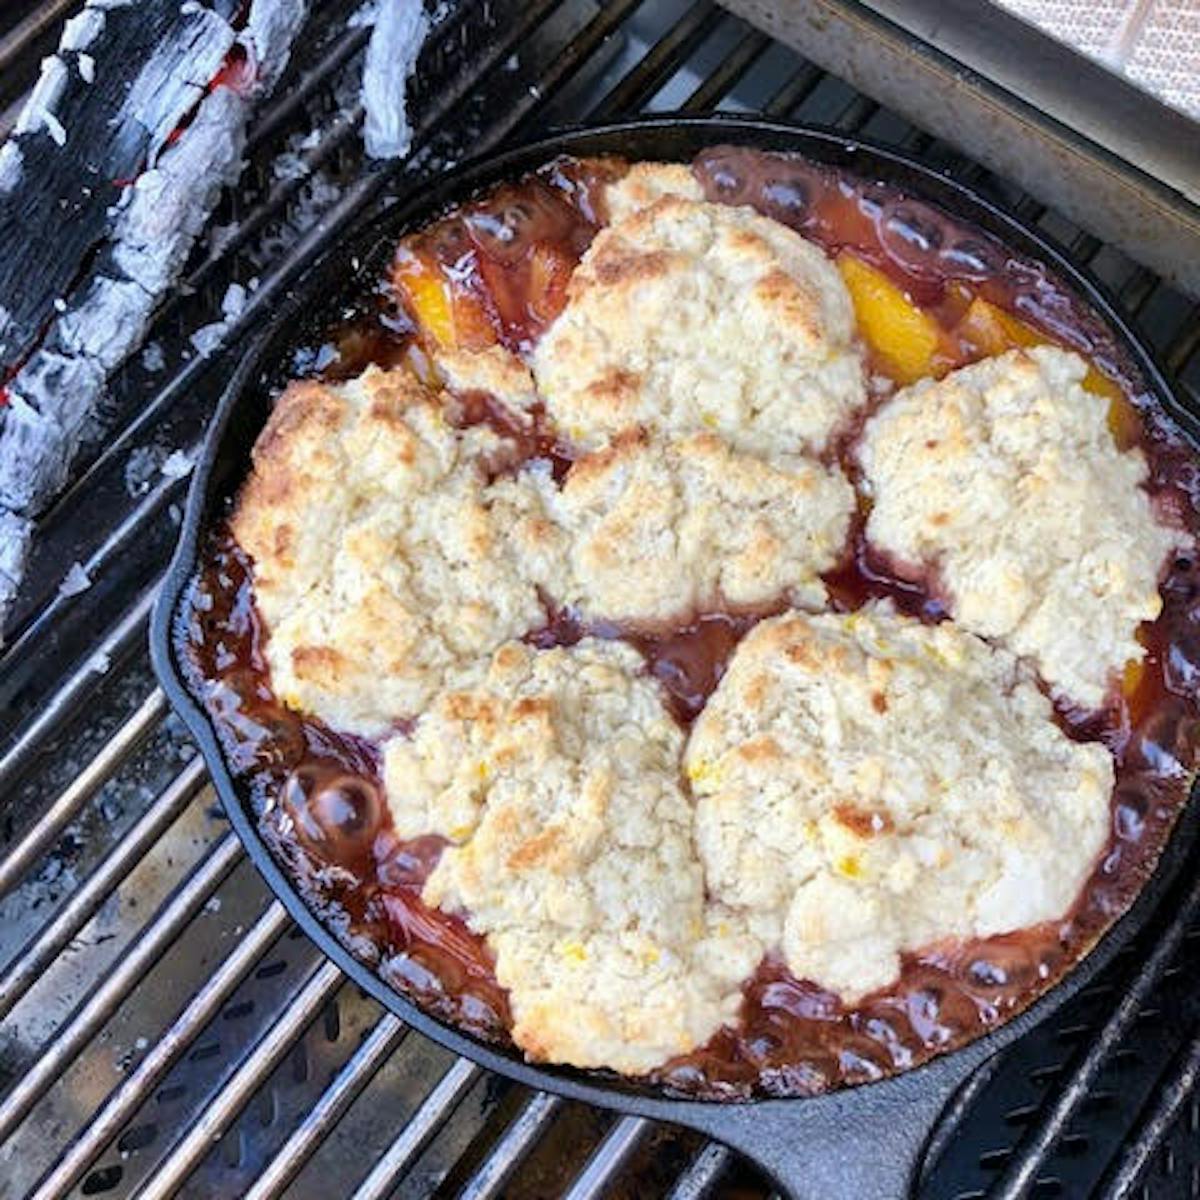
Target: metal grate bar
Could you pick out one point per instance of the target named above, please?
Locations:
(1138, 288)
(112, 649)
(856, 114)
(358, 1071)
(1181, 350)
(81, 789)
(512, 1148)
(729, 74)
(662, 60)
(434, 1110)
(608, 1158)
(126, 1099)
(1084, 247)
(795, 91)
(702, 1174)
(37, 954)
(576, 52)
(286, 105)
(185, 902)
(16, 44)
(187, 1153)
(1161, 1115)
(1031, 1151)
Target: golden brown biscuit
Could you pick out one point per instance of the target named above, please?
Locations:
(1006, 477)
(866, 785)
(650, 529)
(556, 775)
(378, 564)
(686, 317)
(646, 182)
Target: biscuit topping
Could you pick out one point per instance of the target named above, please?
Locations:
(866, 784)
(1005, 477)
(555, 776)
(653, 529)
(687, 317)
(378, 563)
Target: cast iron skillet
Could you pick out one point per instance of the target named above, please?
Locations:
(860, 1142)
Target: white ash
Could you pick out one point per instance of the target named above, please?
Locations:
(396, 40)
(175, 515)
(11, 163)
(314, 199)
(363, 15)
(177, 465)
(62, 387)
(15, 532)
(167, 206)
(54, 127)
(153, 359)
(104, 323)
(140, 468)
(290, 163)
(81, 30)
(38, 110)
(49, 400)
(271, 29)
(233, 303)
(76, 580)
(208, 338)
(99, 663)
(213, 905)
(86, 66)
(156, 101)
(220, 236)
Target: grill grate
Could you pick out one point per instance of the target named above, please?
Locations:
(166, 1031)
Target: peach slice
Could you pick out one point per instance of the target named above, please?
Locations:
(990, 329)
(904, 339)
(448, 317)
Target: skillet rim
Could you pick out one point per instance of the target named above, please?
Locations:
(454, 187)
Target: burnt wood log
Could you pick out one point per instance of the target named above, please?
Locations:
(113, 169)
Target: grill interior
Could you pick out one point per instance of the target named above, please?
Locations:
(165, 1029)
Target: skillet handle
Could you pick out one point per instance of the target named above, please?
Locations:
(864, 1143)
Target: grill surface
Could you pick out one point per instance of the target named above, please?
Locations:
(165, 1030)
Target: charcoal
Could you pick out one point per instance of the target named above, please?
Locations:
(170, 204)
(60, 212)
(396, 40)
(107, 323)
(33, 456)
(61, 387)
(58, 208)
(271, 29)
(173, 79)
